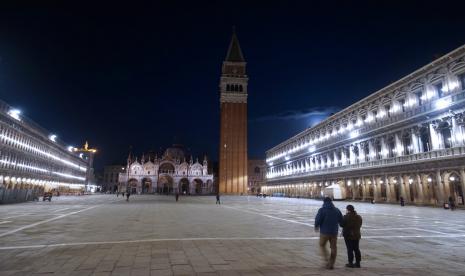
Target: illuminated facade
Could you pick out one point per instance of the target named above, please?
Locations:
(406, 140)
(170, 174)
(32, 160)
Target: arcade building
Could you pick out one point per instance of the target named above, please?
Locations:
(406, 140)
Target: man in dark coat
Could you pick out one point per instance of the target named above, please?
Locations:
(351, 224)
(218, 199)
(327, 223)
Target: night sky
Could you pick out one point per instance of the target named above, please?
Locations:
(147, 75)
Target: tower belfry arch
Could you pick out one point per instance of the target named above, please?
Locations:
(233, 129)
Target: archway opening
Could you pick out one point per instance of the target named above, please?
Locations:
(455, 187)
(184, 186)
(198, 185)
(132, 186)
(146, 185)
(165, 184)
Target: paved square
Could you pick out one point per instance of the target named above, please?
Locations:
(154, 235)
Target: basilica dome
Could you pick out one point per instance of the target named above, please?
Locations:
(175, 152)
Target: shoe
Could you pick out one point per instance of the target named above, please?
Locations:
(357, 265)
(350, 265)
(328, 266)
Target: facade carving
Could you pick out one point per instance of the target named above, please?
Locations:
(32, 160)
(405, 140)
(170, 174)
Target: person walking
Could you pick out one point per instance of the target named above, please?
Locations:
(351, 224)
(451, 203)
(117, 194)
(402, 201)
(127, 196)
(177, 196)
(327, 223)
(218, 199)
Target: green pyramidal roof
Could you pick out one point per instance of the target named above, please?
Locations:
(234, 51)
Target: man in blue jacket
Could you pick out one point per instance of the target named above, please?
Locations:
(327, 223)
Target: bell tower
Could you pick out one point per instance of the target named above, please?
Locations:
(233, 129)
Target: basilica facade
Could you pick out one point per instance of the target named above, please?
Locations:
(405, 141)
(172, 173)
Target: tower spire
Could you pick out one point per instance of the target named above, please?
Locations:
(234, 53)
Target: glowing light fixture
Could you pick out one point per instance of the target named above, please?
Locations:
(354, 134)
(52, 137)
(442, 103)
(452, 178)
(429, 179)
(14, 113)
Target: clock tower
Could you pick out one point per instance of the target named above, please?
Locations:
(233, 130)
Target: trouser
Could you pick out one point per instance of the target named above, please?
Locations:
(352, 247)
(324, 251)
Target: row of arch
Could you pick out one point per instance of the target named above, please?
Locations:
(234, 88)
(427, 188)
(167, 185)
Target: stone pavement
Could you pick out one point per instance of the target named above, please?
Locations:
(154, 235)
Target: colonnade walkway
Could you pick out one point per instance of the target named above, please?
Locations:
(245, 235)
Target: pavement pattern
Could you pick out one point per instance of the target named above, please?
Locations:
(154, 235)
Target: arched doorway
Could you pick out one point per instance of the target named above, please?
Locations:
(455, 188)
(146, 185)
(165, 184)
(184, 186)
(132, 186)
(198, 184)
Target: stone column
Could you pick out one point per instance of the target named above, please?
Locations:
(462, 180)
(440, 187)
(415, 141)
(364, 188)
(343, 157)
(435, 137)
(419, 183)
(387, 182)
(399, 147)
(336, 161)
(384, 148)
(361, 152)
(402, 188)
(372, 150)
(376, 188)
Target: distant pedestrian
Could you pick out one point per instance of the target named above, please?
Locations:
(177, 197)
(402, 201)
(128, 194)
(327, 223)
(351, 224)
(451, 203)
(117, 194)
(218, 199)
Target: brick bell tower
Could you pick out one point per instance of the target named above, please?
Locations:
(233, 129)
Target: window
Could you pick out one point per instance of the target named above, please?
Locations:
(462, 80)
(438, 87)
(418, 97)
(402, 103)
(257, 170)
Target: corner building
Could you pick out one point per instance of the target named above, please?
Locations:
(233, 129)
(32, 160)
(405, 140)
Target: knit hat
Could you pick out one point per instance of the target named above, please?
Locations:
(350, 208)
